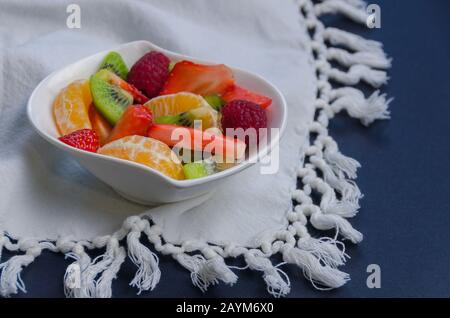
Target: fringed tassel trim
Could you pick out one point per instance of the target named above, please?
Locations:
(327, 172)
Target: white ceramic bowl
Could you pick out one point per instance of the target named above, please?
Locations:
(134, 181)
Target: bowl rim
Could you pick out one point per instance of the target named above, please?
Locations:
(266, 149)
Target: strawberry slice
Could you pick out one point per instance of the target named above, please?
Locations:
(237, 92)
(199, 79)
(137, 95)
(135, 121)
(195, 139)
(84, 139)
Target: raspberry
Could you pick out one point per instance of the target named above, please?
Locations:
(150, 73)
(243, 114)
(84, 139)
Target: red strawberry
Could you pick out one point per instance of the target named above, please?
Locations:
(135, 121)
(150, 73)
(196, 139)
(198, 79)
(84, 139)
(238, 92)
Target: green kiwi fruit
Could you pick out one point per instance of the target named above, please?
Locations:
(195, 170)
(114, 62)
(215, 101)
(110, 100)
(182, 119)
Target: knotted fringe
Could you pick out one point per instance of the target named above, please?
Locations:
(11, 281)
(357, 106)
(205, 273)
(339, 163)
(352, 41)
(10, 270)
(325, 222)
(327, 187)
(216, 267)
(351, 9)
(75, 283)
(277, 281)
(319, 274)
(193, 264)
(95, 278)
(358, 73)
(365, 61)
(329, 251)
(103, 287)
(347, 188)
(148, 274)
(373, 59)
(320, 219)
(327, 172)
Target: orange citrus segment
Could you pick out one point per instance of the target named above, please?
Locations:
(147, 151)
(209, 116)
(175, 104)
(86, 89)
(99, 124)
(71, 108)
(183, 102)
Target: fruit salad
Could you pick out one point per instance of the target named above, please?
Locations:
(171, 116)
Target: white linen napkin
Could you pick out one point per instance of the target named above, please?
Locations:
(46, 194)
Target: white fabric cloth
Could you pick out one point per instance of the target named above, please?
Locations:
(45, 194)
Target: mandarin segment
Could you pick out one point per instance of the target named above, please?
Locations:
(86, 90)
(71, 108)
(174, 104)
(189, 106)
(99, 124)
(147, 151)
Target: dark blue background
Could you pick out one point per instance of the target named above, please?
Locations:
(405, 215)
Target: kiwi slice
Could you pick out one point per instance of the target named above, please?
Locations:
(114, 62)
(195, 170)
(215, 101)
(110, 100)
(183, 119)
